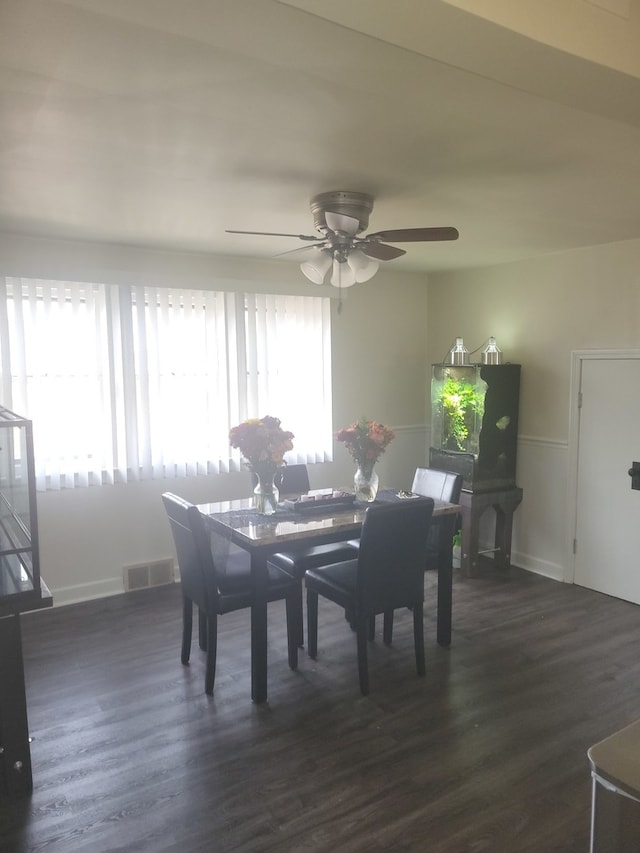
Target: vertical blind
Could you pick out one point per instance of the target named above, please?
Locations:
(126, 383)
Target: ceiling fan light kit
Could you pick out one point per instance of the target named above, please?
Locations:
(363, 267)
(339, 217)
(316, 268)
(342, 275)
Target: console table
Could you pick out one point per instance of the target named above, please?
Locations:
(472, 507)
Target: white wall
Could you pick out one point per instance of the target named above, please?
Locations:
(540, 311)
(384, 342)
(379, 366)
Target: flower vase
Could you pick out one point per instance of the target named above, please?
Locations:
(365, 483)
(265, 493)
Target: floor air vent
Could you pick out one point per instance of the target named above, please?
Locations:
(148, 574)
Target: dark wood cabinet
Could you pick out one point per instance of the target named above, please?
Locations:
(474, 416)
(472, 506)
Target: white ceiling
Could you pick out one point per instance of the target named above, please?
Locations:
(162, 123)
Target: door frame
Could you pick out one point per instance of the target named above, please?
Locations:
(578, 357)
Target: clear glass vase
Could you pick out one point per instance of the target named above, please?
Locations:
(265, 492)
(365, 483)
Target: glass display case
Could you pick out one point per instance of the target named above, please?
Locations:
(474, 423)
(20, 583)
(21, 589)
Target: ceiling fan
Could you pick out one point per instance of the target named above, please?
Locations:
(340, 217)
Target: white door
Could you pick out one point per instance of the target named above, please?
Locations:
(607, 538)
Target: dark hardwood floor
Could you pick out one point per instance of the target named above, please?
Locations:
(487, 753)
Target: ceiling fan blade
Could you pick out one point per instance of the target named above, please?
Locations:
(340, 222)
(415, 235)
(382, 252)
(275, 234)
(300, 249)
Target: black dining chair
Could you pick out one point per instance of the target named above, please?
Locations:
(443, 486)
(387, 573)
(217, 589)
(295, 563)
(293, 480)
(289, 480)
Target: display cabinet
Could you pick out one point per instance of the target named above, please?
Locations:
(19, 553)
(474, 418)
(21, 589)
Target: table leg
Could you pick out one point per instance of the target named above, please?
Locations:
(259, 629)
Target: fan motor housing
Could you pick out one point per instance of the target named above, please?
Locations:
(344, 202)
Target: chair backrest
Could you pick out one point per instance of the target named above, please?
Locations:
(193, 549)
(443, 486)
(293, 479)
(392, 555)
(439, 485)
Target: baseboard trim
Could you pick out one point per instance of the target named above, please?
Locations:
(87, 591)
(553, 571)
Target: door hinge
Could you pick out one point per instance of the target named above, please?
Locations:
(575, 546)
(579, 399)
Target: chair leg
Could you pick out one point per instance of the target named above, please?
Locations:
(212, 649)
(312, 623)
(294, 625)
(372, 628)
(202, 630)
(187, 628)
(418, 637)
(387, 627)
(300, 626)
(362, 632)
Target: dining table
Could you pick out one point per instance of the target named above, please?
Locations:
(237, 522)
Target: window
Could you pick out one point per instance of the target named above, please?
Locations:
(130, 383)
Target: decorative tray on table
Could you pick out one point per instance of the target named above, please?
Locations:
(322, 500)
